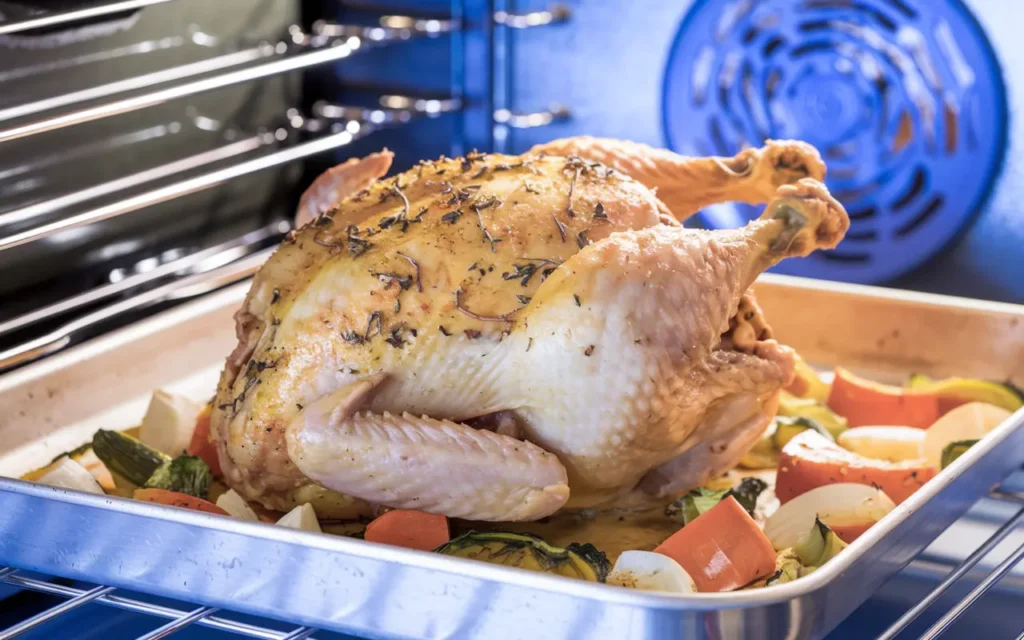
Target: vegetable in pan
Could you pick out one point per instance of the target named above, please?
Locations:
(184, 474)
(127, 457)
(530, 552)
(838, 469)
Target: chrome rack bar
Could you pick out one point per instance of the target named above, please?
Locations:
(186, 187)
(554, 113)
(180, 623)
(191, 263)
(52, 205)
(187, 287)
(337, 51)
(82, 598)
(145, 608)
(968, 563)
(394, 28)
(557, 13)
(62, 17)
(217, 63)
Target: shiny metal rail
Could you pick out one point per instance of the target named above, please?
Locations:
(186, 287)
(359, 122)
(53, 18)
(989, 581)
(392, 29)
(557, 13)
(197, 262)
(203, 616)
(331, 43)
(184, 187)
(332, 53)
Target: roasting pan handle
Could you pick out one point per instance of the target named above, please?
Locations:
(184, 288)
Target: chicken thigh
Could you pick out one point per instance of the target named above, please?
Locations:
(500, 337)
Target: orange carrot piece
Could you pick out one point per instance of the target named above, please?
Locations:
(863, 402)
(201, 445)
(175, 499)
(850, 532)
(810, 460)
(723, 549)
(410, 529)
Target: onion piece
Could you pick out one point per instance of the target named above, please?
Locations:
(844, 506)
(301, 517)
(68, 474)
(969, 421)
(236, 506)
(650, 571)
(891, 443)
(169, 422)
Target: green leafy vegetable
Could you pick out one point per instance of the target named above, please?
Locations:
(184, 474)
(700, 500)
(954, 450)
(696, 502)
(126, 456)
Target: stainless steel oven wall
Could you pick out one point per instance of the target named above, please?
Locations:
(608, 62)
(206, 130)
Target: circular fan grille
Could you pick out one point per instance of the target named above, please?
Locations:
(904, 99)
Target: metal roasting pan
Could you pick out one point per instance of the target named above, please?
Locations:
(373, 590)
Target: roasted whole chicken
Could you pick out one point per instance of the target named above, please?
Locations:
(499, 337)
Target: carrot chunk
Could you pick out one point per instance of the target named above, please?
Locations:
(723, 549)
(410, 529)
(175, 499)
(201, 445)
(863, 402)
(809, 461)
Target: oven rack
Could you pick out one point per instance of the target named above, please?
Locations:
(44, 19)
(327, 128)
(181, 618)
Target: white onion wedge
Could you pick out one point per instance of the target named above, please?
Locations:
(301, 517)
(969, 421)
(169, 422)
(650, 571)
(236, 506)
(847, 508)
(891, 443)
(68, 474)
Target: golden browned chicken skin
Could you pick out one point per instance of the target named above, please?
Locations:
(499, 337)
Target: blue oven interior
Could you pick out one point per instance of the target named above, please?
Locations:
(911, 102)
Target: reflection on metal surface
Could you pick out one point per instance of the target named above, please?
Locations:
(72, 15)
(139, 82)
(391, 28)
(174, 625)
(148, 46)
(9, 576)
(197, 262)
(179, 189)
(46, 207)
(557, 13)
(330, 53)
(81, 599)
(554, 113)
(187, 287)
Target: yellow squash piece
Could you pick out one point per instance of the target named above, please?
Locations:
(1001, 395)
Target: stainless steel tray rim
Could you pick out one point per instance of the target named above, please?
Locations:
(552, 583)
